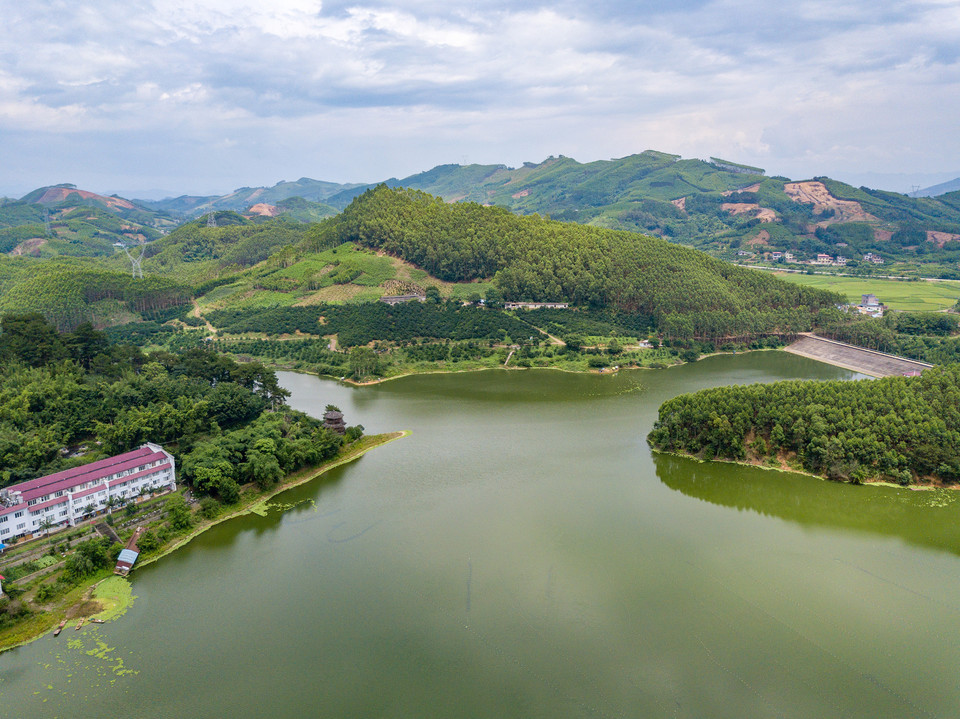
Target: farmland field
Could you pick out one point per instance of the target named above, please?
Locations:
(908, 296)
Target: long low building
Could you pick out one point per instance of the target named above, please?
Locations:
(70, 496)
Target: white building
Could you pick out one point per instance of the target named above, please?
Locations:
(70, 496)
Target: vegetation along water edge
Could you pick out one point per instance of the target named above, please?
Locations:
(898, 429)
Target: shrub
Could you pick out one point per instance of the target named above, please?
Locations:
(209, 507)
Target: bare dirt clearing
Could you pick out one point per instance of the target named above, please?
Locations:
(816, 193)
(941, 238)
(764, 214)
(29, 247)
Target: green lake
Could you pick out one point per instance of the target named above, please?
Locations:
(524, 554)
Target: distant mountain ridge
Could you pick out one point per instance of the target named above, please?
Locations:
(64, 220)
(941, 189)
(244, 197)
(731, 210)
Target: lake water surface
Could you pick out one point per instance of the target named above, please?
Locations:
(523, 554)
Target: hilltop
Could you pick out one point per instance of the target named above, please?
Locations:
(64, 220)
(390, 241)
(728, 209)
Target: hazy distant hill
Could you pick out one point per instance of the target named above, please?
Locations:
(243, 198)
(731, 210)
(941, 189)
(64, 220)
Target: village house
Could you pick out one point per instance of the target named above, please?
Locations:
(397, 299)
(536, 305)
(871, 257)
(870, 305)
(70, 496)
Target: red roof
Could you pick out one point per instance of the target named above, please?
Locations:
(86, 473)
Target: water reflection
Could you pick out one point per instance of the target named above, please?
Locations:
(922, 518)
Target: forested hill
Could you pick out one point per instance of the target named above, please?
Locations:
(69, 292)
(718, 206)
(531, 258)
(715, 205)
(64, 220)
(901, 428)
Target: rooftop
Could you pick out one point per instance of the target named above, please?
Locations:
(67, 478)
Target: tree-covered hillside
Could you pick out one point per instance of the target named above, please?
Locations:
(70, 292)
(902, 428)
(733, 211)
(62, 220)
(530, 258)
(730, 210)
(197, 252)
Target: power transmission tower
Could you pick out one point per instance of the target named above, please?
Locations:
(916, 189)
(46, 221)
(136, 261)
(212, 219)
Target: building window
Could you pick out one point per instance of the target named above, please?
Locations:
(21, 525)
(17, 515)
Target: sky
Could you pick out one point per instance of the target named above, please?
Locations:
(160, 97)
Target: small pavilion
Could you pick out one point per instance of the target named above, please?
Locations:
(332, 419)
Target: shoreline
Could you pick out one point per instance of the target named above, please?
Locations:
(305, 476)
(41, 624)
(805, 473)
(415, 373)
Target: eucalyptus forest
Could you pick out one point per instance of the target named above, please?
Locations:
(898, 428)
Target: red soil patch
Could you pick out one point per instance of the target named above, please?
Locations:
(264, 210)
(764, 214)
(762, 238)
(29, 247)
(59, 194)
(882, 235)
(941, 238)
(752, 188)
(522, 193)
(816, 194)
(681, 203)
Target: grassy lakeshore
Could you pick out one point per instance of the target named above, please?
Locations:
(251, 499)
(105, 596)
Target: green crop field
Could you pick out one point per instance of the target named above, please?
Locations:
(907, 296)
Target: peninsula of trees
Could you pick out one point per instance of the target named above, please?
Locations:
(904, 429)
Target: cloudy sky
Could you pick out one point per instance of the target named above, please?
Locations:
(203, 96)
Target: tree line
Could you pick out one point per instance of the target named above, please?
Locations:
(902, 428)
(531, 258)
(63, 390)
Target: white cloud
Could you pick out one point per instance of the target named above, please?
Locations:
(810, 84)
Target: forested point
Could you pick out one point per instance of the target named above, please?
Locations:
(905, 429)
